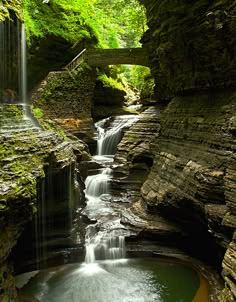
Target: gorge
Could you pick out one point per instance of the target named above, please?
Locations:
(169, 189)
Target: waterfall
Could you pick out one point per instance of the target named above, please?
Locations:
(23, 65)
(10, 58)
(107, 243)
(56, 204)
(109, 139)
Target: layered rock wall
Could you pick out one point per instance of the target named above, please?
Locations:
(26, 151)
(193, 164)
(67, 98)
(191, 45)
(193, 182)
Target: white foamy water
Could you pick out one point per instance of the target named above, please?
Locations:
(106, 243)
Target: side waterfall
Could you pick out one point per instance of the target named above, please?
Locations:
(12, 62)
(104, 240)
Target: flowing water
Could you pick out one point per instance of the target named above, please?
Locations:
(105, 239)
(106, 275)
(12, 62)
(13, 68)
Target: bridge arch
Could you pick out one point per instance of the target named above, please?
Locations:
(100, 57)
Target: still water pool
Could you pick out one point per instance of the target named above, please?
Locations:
(134, 280)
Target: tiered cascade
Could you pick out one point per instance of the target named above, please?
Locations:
(109, 241)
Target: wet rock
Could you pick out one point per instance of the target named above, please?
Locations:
(107, 101)
(229, 275)
(26, 154)
(134, 155)
(66, 98)
(187, 45)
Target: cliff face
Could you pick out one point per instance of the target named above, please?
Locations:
(191, 45)
(193, 179)
(67, 99)
(26, 154)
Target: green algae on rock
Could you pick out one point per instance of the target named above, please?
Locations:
(9, 7)
(25, 153)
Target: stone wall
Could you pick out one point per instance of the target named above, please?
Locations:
(67, 98)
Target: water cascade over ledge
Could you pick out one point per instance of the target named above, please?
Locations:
(109, 241)
(106, 275)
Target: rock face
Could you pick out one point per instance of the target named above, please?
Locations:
(193, 182)
(27, 152)
(192, 173)
(67, 99)
(191, 45)
(229, 268)
(107, 101)
(134, 155)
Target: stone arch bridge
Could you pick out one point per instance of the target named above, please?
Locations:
(98, 57)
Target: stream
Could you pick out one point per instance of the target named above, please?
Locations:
(106, 274)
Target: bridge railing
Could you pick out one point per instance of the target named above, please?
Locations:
(74, 64)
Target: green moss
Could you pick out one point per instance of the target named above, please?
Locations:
(6, 299)
(52, 126)
(38, 113)
(9, 6)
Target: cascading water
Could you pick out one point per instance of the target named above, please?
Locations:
(10, 58)
(108, 242)
(109, 139)
(13, 73)
(133, 280)
(23, 65)
(13, 83)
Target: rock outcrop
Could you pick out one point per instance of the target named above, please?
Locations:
(189, 182)
(107, 101)
(27, 152)
(134, 155)
(190, 45)
(67, 98)
(192, 182)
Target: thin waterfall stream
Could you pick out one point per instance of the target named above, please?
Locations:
(13, 72)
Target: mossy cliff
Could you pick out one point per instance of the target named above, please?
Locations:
(193, 179)
(9, 8)
(67, 98)
(25, 153)
(191, 45)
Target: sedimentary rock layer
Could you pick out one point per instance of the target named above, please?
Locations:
(25, 152)
(192, 54)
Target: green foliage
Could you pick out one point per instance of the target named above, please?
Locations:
(108, 81)
(122, 19)
(112, 23)
(141, 79)
(69, 19)
(38, 113)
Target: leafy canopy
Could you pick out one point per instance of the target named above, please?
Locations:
(114, 23)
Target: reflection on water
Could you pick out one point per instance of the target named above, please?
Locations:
(135, 280)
